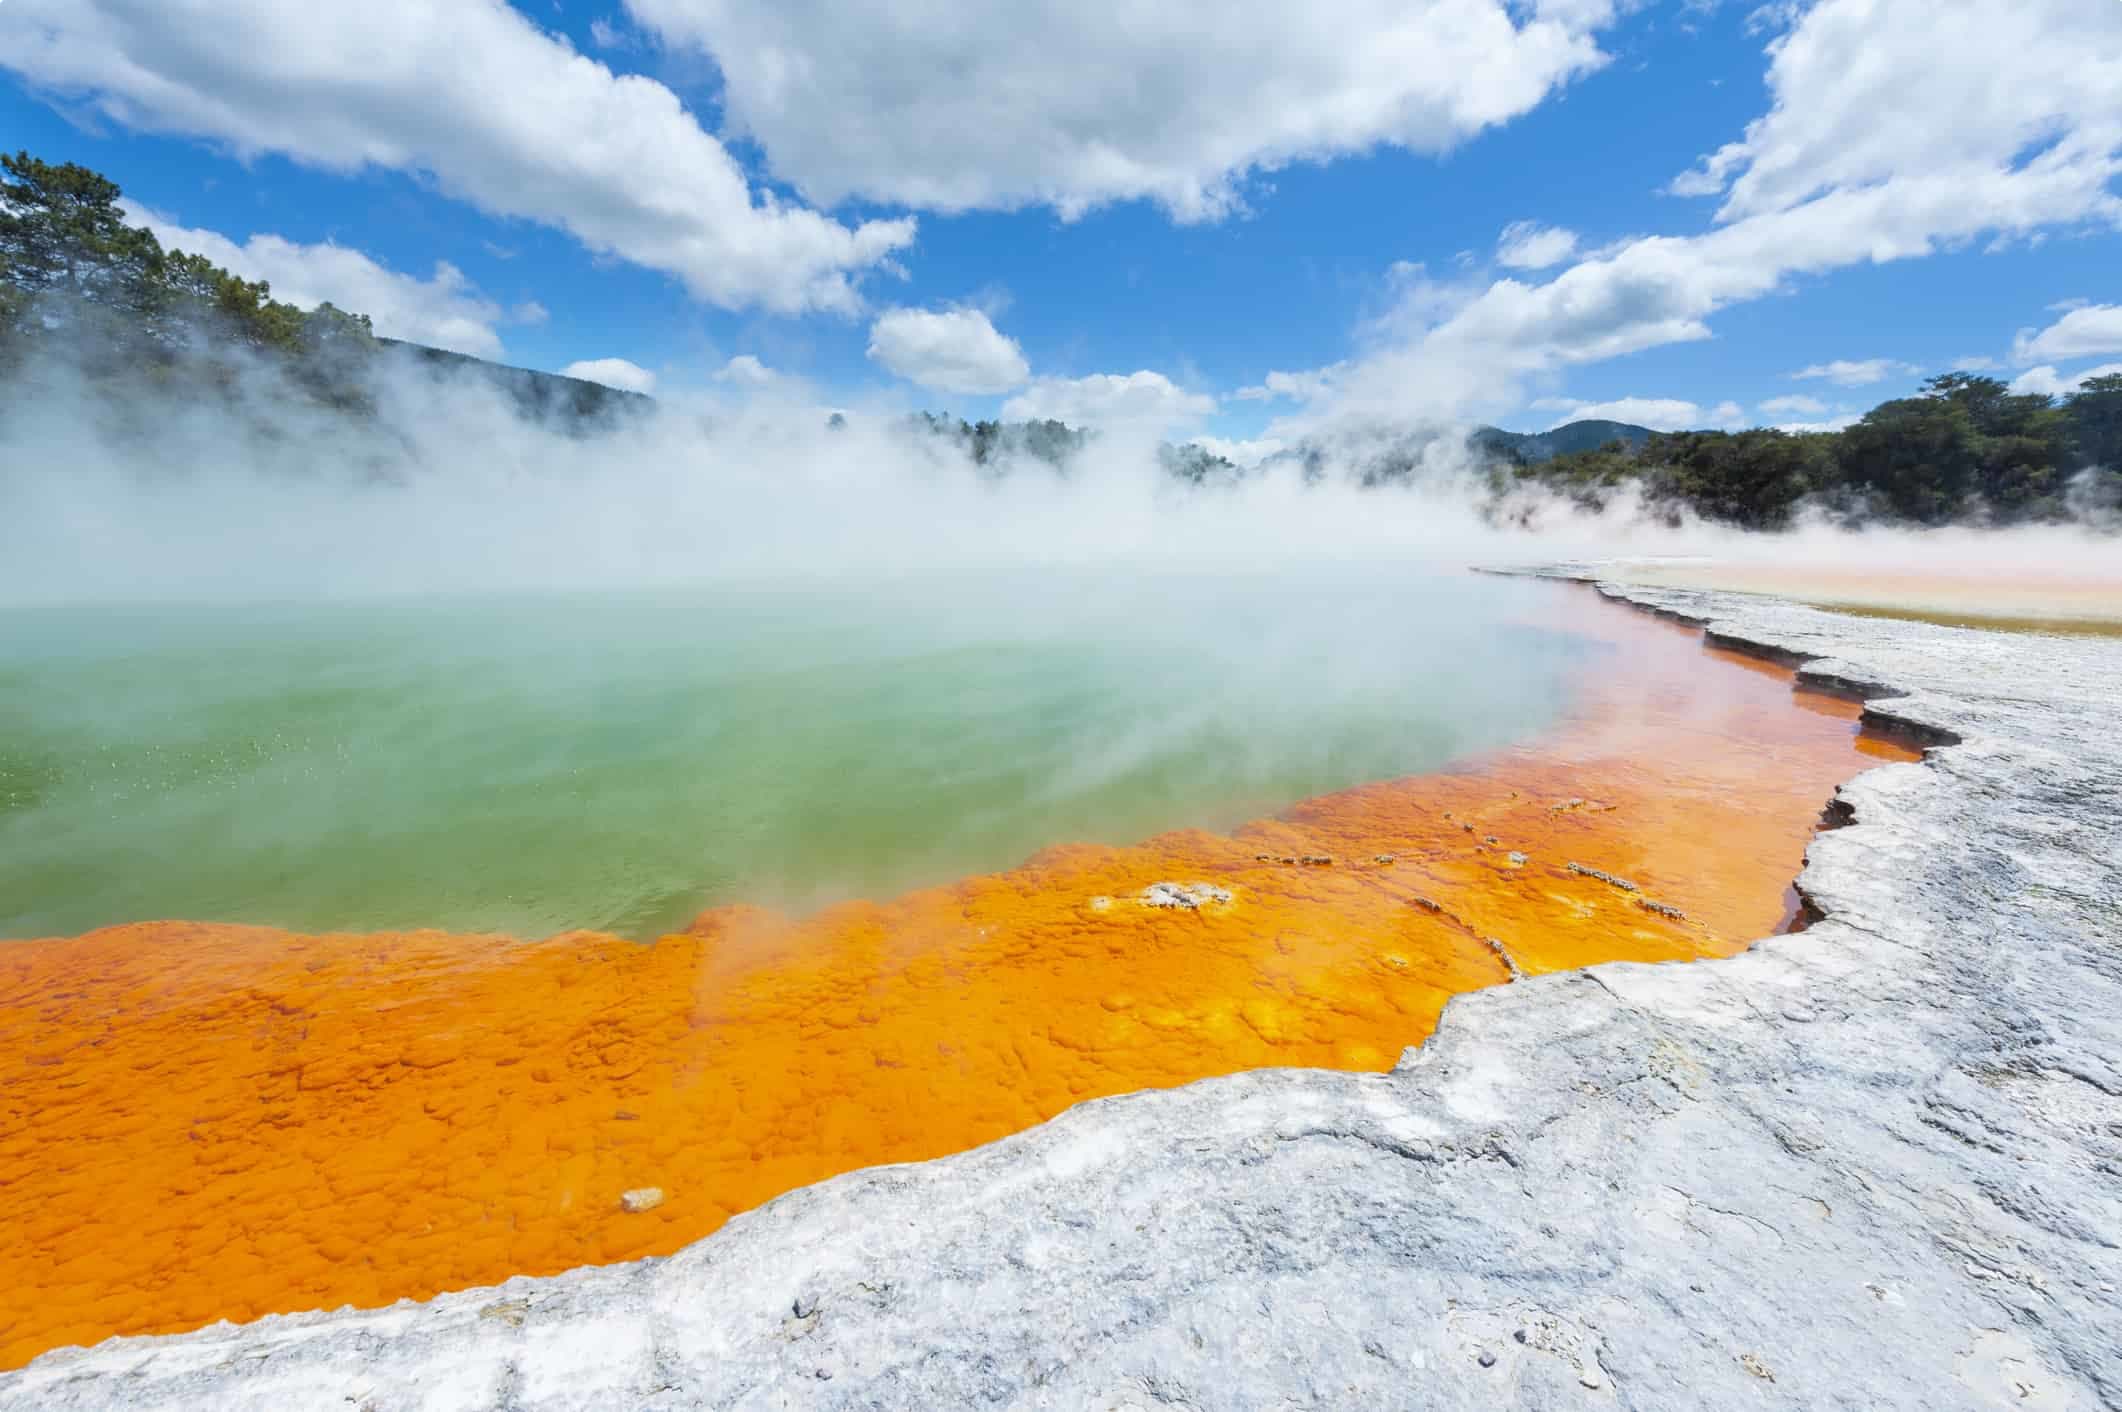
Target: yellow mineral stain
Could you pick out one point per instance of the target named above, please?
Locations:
(201, 1121)
(2068, 595)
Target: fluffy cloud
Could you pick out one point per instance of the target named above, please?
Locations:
(612, 372)
(2046, 381)
(1141, 400)
(1528, 245)
(1793, 407)
(1829, 424)
(1297, 387)
(746, 371)
(1075, 103)
(1974, 363)
(2005, 83)
(2087, 330)
(1844, 372)
(496, 111)
(1657, 413)
(949, 350)
(444, 311)
(1803, 414)
(750, 381)
(1818, 184)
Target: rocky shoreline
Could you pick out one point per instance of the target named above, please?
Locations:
(1875, 1164)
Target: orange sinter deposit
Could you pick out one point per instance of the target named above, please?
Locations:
(202, 1122)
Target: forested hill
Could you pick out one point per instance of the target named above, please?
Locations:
(541, 396)
(1567, 439)
(107, 300)
(1967, 449)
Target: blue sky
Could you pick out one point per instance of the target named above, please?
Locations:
(1061, 210)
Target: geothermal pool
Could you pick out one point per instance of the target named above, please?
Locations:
(1385, 794)
(622, 761)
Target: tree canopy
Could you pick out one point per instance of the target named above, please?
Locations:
(1966, 448)
(107, 300)
(70, 263)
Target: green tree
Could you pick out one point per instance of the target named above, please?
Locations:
(328, 327)
(2022, 443)
(1750, 478)
(62, 233)
(66, 249)
(1051, 441)
(1915, 457)
(1196, 464)
(243, 310)
(2095, 415)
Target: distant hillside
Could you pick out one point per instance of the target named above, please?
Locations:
(82, 289)
(1565, 440)
(1965, 450)
(547, 397)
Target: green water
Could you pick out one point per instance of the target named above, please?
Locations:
(622, 761)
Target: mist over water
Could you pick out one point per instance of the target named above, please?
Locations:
(622, 760)
(438, 665)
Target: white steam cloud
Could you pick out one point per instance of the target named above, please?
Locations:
(444, 486)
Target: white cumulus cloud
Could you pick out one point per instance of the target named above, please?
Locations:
(2047, 382)
(2086, 331)
(1657, 413)
(1818, 184)
(1828, 425)
(1307, 386)
(2002, 80)
(1796, 406)
(471, 93)
(949, 350)
(1075, 103)
(1528, 245)
(1140, 400)
(612, 372)
(1847, 372)
(744, 370)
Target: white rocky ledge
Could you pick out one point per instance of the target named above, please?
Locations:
(1877, 1164)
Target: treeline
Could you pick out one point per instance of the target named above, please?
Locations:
(996, 446)
(1967, 449)
(73, 272)
(79, 283)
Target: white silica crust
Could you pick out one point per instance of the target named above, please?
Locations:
(1875, 1164)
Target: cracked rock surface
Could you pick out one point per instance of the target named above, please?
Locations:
(1874, 1164)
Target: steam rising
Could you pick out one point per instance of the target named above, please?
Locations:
(432, 662)
(447, 488)
(444, 486)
